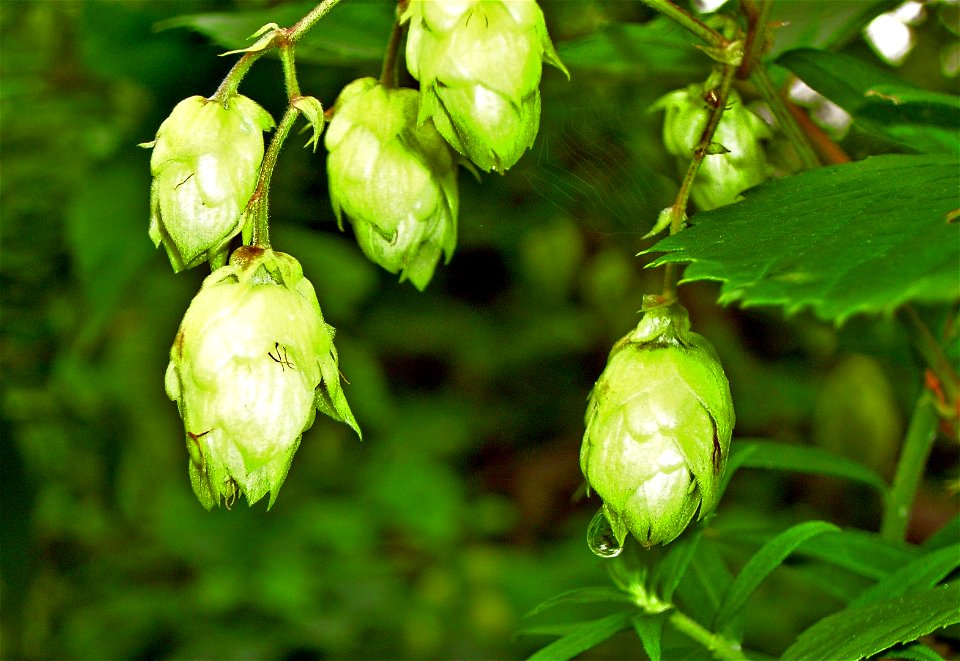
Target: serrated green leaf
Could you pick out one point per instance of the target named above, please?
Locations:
(799, 459)
(770, 556)
(924, 572)
(880, 102)
(858, 632)
(861, 237)
(630, 50)
(650, 631)
(588, 595)
(584, 637)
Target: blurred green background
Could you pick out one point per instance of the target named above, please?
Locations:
(462, 509)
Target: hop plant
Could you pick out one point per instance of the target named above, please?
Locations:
(251, 364)
(394, 180)
(479, 64)
(740, 160)
(205, 163)
(658, 427)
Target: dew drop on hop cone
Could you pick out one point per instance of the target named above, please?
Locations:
(601, 538)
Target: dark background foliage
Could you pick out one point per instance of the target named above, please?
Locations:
(462, 509)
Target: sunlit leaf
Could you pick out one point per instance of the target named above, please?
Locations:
(924, 572)
(862, 237)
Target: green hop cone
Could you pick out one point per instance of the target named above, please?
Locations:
(479, 64)
(251, 364)
(658, 427)
(741, 161)
(394, 180)
(205, 163)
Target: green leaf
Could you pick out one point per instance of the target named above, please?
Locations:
(650, 631)
(671, 569)
(770, 556)
(799, 459)
(801, 22)
(880, 102)
(861, 237)
(858, 632)
(924, 572)
(588, 595)
(630, 50)
(949, 535)
(584, 637)
(914, 652)
(352, 33)
(705, 582)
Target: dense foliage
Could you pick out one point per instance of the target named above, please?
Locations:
(457, 527)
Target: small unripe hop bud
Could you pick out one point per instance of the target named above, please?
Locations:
(394, 180)
(739, 161)
(658, 427)
(252, 362)
(479, 64)
(205, 163)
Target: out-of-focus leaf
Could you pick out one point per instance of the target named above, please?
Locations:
(862, 553)
(584, 637)
(880, 102)
(800, 459)
(630, 50)
(592, 595)
(855, 633)
(862, 237)
(352, 33)
(924, 572)
(650, 631)
(704, 584)
(949, 535)
(805, 23)
(769, 557)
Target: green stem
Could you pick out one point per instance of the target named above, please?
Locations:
(228, 87)
(756, 36)
(788, 124)
(679, 208)
(306, 23)
(690, 22)
(287, 60)
(719, 646)
(910, 466)
(259, 205)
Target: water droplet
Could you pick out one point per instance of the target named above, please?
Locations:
(601, 538)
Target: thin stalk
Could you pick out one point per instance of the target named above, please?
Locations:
(678, 210)
(690, 22)
(910, 466)
(758, 19)
(259, 205)
(287, 60)
(788, 124)
(719, 646)
(931, 352)
(388, 75)
(306, 23)
(228, 87)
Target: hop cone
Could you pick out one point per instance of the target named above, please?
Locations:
(722, 176)
(252, 362)
(205, 163)
(658, 427)
(479, 64)
(394, 180)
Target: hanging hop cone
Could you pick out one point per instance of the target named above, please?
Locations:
(394, 180)
(252, 362)
(740, 160)
(658, 427)
(479, 64)
(205, 163)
